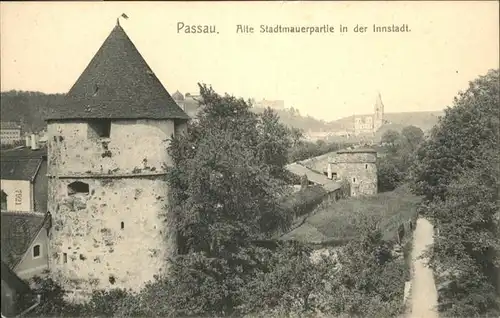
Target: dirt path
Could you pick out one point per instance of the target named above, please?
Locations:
(423, 289)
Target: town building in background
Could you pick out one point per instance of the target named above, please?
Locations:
(189, 103)
(371, 123)
(10, 132)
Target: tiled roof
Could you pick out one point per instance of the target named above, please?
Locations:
(19, 229)
(118, 84)
(21, 164)
(315, 177)
(23, 152)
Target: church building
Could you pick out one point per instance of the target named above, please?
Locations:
(368, 125)
(107, 162)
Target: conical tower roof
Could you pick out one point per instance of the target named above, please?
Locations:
(118, 84)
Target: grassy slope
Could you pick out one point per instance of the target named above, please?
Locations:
(344, 218)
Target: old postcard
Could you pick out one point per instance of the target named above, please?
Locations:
(250, 159)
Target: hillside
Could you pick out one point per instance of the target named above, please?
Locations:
(31, 107)
(28, 107)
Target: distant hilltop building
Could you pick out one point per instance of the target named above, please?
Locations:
(370, 124)
(10, 132)
(107, 163)
(274, 104)
(190, 103)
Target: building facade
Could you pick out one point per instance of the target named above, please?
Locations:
(107, 163)
(359, 168)
(368, 125)
(23, 179)
(10, 132)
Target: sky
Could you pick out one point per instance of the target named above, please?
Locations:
(45, 46)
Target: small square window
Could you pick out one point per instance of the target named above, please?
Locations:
(36, 251)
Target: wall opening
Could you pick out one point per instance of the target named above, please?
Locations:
(36, 251)
(122, 225)
(366, 166)
(353, 179)
(112, 279)
(100, 127)
(65, 258)
(4, 200)
(78, 187)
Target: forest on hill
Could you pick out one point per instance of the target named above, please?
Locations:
(27, 107)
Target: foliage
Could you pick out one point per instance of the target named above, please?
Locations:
(303, 150)
(399, 151)
(304, 201)
(227, 176)
(462, 135)
(458, 172)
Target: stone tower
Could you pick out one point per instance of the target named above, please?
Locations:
(107, 160)
(378, 117)
(358, 167)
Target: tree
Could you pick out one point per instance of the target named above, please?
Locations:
(465, 132)
(390, 137)
(412, 136)
(457, 171)
(226, 182)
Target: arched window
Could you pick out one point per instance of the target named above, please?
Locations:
(78, 187)
(4, 200)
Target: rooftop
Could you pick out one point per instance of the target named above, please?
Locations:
(117, 84)
(19, 229)
(21, 163)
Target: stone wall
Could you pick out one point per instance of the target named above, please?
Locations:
(108, 199)
(359, 169)
(116, 236)
(133, 145)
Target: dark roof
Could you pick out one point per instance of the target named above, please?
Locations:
(358, 150)
(21, 163)
(14, 281)
(19, 229)
(118, 84)
(23, 152)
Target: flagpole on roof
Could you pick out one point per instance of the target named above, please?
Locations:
(123, 15)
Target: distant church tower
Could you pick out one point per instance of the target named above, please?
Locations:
(107, 157)
(378, 117)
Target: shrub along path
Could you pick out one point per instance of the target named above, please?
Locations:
(424, 299)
